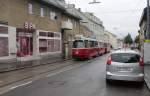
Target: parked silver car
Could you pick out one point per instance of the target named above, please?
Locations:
(126, 65)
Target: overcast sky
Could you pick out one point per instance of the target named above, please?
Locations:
(119, 16)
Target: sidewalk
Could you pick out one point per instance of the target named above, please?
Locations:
(11, 77)
(147, 75)
(20, 63)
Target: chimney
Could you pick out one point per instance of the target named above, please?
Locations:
(79, 9)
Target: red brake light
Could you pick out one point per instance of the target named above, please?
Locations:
(141, 62)
(109, 61)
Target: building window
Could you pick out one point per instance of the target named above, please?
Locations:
(75, 23)
(53, 15)
(4, 41)
(24, 44)
(30, 8)
(69, 20)
(49, 42)
(42, 12)
(145, 35)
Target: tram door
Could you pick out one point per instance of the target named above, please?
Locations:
(24, 44)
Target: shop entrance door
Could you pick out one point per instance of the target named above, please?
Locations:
(24, 44)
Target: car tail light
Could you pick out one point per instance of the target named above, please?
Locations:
(109, 61)
(141, 62)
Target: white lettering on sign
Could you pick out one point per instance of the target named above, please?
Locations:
(29, 25)
(26, 25)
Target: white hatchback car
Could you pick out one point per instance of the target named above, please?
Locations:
(126, 65)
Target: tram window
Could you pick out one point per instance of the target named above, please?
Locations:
(92, 44)
(99, 44)
(96, 44)
(86, 44)
(102, 45)
(105, 44)
(78, 44)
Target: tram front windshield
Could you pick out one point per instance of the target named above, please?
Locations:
(78, 44)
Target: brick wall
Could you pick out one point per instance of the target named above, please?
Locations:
(15, 12)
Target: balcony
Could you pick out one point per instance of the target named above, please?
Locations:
(67, 25)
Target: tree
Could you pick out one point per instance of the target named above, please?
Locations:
(128, 39)
(137, 39)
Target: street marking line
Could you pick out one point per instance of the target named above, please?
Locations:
(14, 87)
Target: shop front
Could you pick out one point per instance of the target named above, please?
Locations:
(21, 47)
(49, 46)
(24, 40)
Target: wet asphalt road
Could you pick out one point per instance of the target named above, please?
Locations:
(86, 80)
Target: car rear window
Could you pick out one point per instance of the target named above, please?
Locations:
(125, 57)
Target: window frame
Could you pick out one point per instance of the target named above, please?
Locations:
(48, 38)
(42, 14)
(30, 8)
(53, 14)
(5, 35)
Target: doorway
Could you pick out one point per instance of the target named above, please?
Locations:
(24, 44)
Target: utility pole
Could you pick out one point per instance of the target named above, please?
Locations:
(148, 20)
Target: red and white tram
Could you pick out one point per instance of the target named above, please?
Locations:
(86, 48)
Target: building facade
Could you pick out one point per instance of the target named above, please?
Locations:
(144, 41)
(84, 30)
(33, 30)
(68, 33)
(96, 26)
(143, 29)
(119, 43)
(112, 39)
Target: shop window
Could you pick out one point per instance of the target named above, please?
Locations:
(49, 42)
(24, 44)
(57, 45)
(51, 45)
(50, 34)
(4, 46)
(42, 33)
(3, 30)
(57, 35)
(4, 41)
(42, 45)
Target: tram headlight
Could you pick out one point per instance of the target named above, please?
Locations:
(77, 52)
